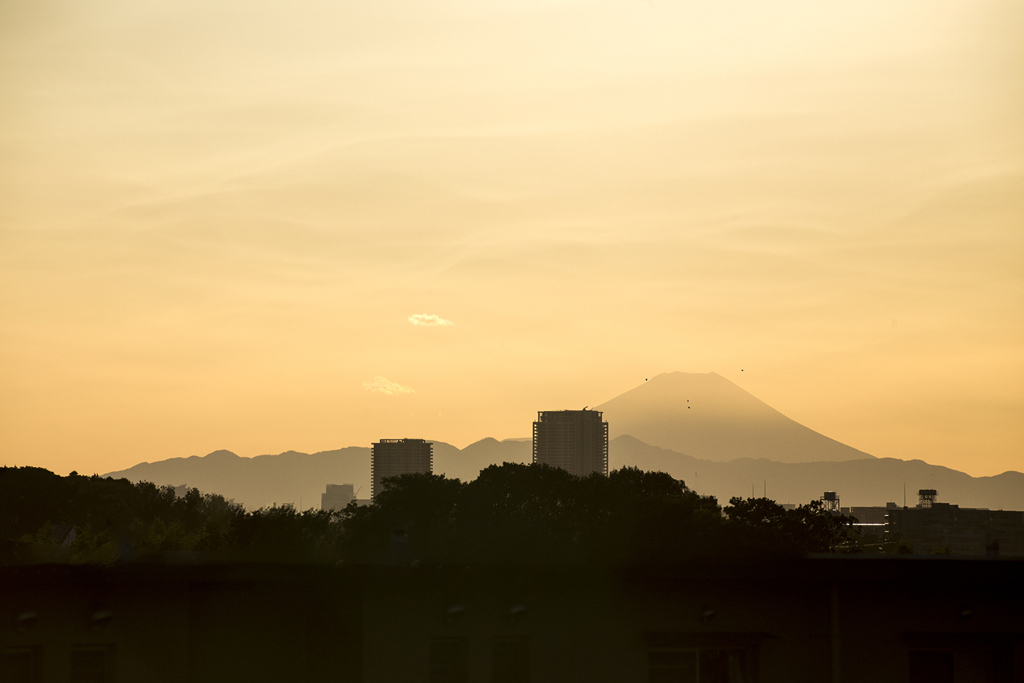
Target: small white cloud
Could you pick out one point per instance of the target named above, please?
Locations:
(429, 320)
(382, 385)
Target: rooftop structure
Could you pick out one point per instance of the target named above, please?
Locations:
(574, 440)
(830, 500)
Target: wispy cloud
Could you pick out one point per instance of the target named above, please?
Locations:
(429, 320)
(382, 385)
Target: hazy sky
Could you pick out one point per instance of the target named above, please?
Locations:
(264, 226)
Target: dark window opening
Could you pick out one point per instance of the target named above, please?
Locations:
(20, 665)
(448, 661)
(700, 665)
(724, 666)
(510, 660)
(973, 664)
(92, 664)
(673, 666)
(931, 667)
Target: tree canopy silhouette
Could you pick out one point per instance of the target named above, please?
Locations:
(511, 513)
(114, 519)
(536, 513)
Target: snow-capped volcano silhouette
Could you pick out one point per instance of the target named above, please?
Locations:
(708, 417)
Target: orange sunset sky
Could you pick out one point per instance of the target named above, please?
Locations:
(218, 220)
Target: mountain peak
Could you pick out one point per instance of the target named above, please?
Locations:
(707, 416)
(221, 454)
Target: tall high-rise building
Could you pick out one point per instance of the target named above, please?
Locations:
(575, 440)
(393, 457)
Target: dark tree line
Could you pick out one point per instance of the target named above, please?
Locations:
(510, 514)
(535, 513)
(114, 519)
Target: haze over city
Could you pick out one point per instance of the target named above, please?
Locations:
(264, 228)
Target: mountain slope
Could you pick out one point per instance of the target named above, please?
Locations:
(709, 417)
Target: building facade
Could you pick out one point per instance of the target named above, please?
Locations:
(934, 528)
(838, 619)
(574, 440)
(395, 457)
(337, 497)
(941, 528)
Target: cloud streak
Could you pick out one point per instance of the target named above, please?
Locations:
(429, 320)
(382, 385)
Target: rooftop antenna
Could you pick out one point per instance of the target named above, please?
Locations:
(765, 488)
(904, 495)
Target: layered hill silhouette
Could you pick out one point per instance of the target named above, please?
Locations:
(289, 478)
(299, 478)
(466, 464)
(708, 417)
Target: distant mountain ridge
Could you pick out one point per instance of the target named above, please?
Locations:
(294, 478)
(866, 482)
(709, 417)
(287, 478)
(299, 479)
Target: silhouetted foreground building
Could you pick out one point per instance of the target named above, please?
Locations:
(844, 620)
(950, 529)
(574, 440)
(395, 457)
(934, 528)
